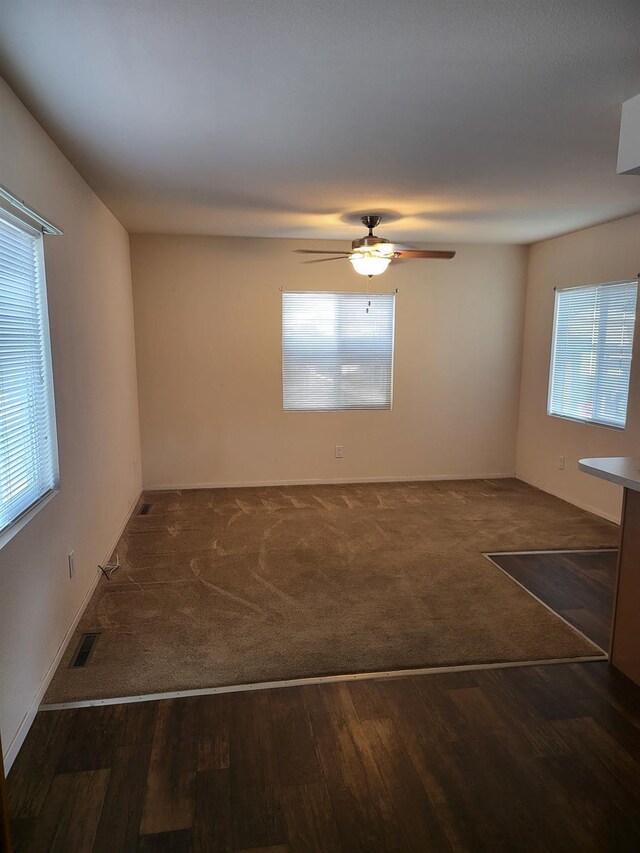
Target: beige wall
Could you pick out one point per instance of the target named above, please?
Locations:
(89, 288)
(605, 253)
(207, 316)
(208, 326)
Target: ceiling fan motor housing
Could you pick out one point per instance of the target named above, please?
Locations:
(368, 242)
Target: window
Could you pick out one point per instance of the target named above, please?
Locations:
(28, 450)
(591, 353)
(337, 351)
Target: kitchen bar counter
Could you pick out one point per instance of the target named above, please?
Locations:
(625, 633)
(624, 470)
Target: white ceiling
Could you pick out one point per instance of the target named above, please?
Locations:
(482, 121)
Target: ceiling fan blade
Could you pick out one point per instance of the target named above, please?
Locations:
(323, 260)
(320, 252)
(419, 253)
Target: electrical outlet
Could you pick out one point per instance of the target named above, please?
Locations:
(561, 463)
(339, 451)
(72, 563)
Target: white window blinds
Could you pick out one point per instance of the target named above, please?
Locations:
(28, 453)
(337, 351)
(591, 352)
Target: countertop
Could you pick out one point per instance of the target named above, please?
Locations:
(624, 470)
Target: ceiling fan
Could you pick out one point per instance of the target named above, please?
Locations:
(371, 255)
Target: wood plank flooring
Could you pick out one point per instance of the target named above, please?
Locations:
(530, 758)
(578, 585)
(537, 758)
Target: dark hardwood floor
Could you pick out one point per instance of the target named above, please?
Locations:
(578, 585)
(529, 758)
(540, 758)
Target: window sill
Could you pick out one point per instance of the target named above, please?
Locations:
(16, 526)
(586, 422)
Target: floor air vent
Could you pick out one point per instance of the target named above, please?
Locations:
(85, 647)
(144, 509)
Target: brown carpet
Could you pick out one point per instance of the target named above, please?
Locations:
(238, 586)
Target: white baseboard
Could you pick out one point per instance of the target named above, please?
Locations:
(27, 720)
(121, 530)
(420, 478)
(579, 504)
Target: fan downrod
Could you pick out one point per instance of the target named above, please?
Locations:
(371, 222)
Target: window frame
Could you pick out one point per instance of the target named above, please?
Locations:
(577, 420)
(339, 409)
(20, 520)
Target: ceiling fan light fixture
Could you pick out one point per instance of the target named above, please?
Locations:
(371, 255)
(370, 263)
